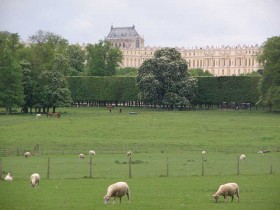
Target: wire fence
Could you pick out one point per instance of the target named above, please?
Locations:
(146, 164)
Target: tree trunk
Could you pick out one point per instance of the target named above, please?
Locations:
(53, 109)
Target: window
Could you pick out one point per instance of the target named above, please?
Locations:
(137, 43)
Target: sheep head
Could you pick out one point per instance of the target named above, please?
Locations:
(106, 199)
(215, 197)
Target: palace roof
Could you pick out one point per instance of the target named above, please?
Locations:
(123, 33)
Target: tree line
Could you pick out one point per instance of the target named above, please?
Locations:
(48, 72)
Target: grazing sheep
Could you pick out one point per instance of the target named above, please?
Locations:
(260, 152)
(38, 115)
(203, 152)
(35, 179)
(27, 154)
(9, 177)
(225, 190)
(129, 153)
(118, 189)
(81, 156)
(242, 157)
(91, 152)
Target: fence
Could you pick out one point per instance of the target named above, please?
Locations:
(119, 165)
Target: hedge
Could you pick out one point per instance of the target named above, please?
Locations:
(211, 90)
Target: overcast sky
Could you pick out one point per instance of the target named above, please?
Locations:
(165, 23)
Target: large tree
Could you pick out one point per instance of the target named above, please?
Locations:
(103, 59)
(11, 89)
(53, 89)
(76, 57)
(270, 83)
(164, 79)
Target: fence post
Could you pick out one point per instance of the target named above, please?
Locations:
(90, 167)
(167, 167)
(1, 172)
(129, 153)
(202, 164)
(48, 171)
(238, 165)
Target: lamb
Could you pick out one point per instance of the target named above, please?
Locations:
(81, 156)
(91, 152)
(27, 154)
(35, 179)
(9, 177)
(242, 157)
(118, 189)
(225, 190)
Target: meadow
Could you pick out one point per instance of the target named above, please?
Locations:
(166, 149)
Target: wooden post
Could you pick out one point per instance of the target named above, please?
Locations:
(167, 167)
(90, 167)
(238, 166)
(1, 172)
(202, 165)
(48, 171)
(129, 166)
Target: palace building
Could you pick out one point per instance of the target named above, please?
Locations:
(219, 61)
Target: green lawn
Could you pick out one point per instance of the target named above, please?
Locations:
(160, 142)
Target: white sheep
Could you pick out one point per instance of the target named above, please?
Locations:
(38, 115)
(91, 152)
(225, 190)
(203, 152)
(260, 152)
(35, 179)
(9, 177)
(81, 156)
(118, 189)
(27, 154)
(242, 157)
(129, 153)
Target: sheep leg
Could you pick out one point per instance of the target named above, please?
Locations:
(232, 198)
(225, 198)
(237, 194)
(128, 197)
(114, 200)
(120, 200)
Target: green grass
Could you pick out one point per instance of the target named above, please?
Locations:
(194, 192)
(153, 136)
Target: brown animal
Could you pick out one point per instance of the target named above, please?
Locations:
(49, 114)
(57, 114)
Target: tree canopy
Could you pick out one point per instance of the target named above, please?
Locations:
(11, 88)
(102, 59)
(270, 83)
(165, 80)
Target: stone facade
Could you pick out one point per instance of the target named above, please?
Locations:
(219, 61)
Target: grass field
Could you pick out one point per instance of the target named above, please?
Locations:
(153, 136)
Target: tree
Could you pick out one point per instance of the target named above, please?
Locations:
(199, 73)
(127, 71)
(270, 83)
(54, 91)
(102, 59)
(43, 49)
(164, 79)
(11, 90)
(76, 57)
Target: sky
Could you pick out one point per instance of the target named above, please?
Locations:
(162, 23)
